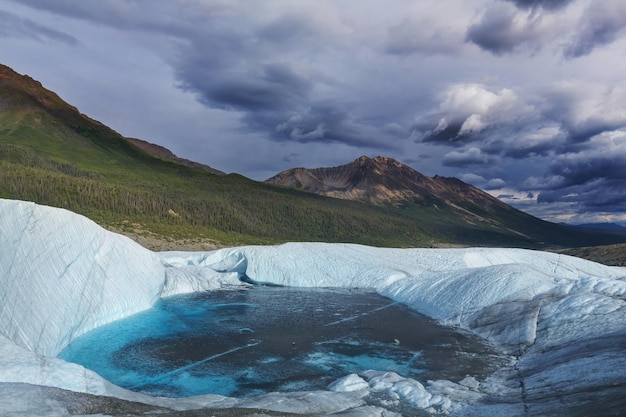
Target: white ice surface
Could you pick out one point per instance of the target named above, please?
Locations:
(62, 276)
(558, 316)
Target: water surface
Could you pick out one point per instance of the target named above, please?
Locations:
(263, 339)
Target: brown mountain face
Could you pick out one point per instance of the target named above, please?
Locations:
(25, 95)
(165, 154)
(382, 181)
(52, 154)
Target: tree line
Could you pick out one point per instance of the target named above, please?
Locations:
(267, 215)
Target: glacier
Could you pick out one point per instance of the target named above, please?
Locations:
(561, 320)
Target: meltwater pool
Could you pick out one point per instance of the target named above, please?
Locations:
(252, 341)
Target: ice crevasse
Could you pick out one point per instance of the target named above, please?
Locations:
(562, 319)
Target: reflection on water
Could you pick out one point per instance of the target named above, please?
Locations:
(246, 342)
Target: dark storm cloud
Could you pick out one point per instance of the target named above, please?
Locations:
(602, 24)
(272, 87)
(586, 130)
(601, 195)
(330, 122)
(249, 72)
(502, 29)
(317, 82)
(545, 4)
(14, 26)
(589, 165)
(276, 100)
(523, 152)
(592, 176)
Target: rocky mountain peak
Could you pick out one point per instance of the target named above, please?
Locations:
(383, 180)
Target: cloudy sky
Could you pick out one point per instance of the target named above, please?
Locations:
(523, 98)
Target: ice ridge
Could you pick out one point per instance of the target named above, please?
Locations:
(62, 276)
(562, 319)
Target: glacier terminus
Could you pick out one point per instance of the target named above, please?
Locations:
(560, 320)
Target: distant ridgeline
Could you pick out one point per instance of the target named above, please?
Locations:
(52, 154)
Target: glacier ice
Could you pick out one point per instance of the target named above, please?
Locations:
(63, 276)
(561, 319)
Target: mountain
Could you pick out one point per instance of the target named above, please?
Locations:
(602, 226)
(447, 205)
(52, 154)
(167, 155)
(384, 180)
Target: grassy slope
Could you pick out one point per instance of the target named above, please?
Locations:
(51, 154)
(477, 226)
(94, 171)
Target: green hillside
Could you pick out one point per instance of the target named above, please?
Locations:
(52, 154)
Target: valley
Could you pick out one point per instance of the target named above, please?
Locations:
(312, 208)
(52, 154)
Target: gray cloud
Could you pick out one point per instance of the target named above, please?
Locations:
(468, 157)
(591, 163)
(529, 25)
(12, 25)
(545, 4)
(602, 195)
(473, 112)
(556, 120)
(329, 122)
(167, 17)
(577, 128)
(420, 34)
(250, 72)
(275, 99)
(592, 177)
(288, 28)
(482, 182)
(272, 87)
(601, 24)
(502, 29)
(442, 130)
(318, 83)
(585, 109)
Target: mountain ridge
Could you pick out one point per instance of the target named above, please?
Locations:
(17, 90)
(167, 155)
(601, 226)
(52, 154)
(382, 180)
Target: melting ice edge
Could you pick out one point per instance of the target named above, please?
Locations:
(561, 319)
